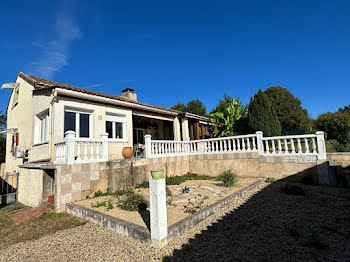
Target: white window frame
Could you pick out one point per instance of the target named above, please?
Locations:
(77, 120)
(117, 118)
(42, 127)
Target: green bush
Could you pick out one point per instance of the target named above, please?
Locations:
(228, 178)
(132, 202)
(270, 180)
(110, 204)
(292, 189)
(99, 204)
(123, 191)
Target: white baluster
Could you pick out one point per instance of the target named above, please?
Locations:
(273, 147)
(307, 150)
(267, 147)
(248, 144)
(86, 151)
(279, 147)
(225, 146)
(233, 144)
(314, 146)
(299, 146)
(92, 157)
(229, 145)
(243, 145)
(98, 144)
(286, 151)
(79, 152)
(254, 144)
(238, 145)
(292, 144)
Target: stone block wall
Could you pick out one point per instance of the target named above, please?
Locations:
(76, 182)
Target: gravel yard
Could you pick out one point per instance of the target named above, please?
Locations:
(202, 193)
(270, 226)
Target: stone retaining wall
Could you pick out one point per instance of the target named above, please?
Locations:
(76, 182)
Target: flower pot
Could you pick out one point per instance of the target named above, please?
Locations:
(157, 174)
(127, 152)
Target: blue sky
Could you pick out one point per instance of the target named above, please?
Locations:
(172, 51)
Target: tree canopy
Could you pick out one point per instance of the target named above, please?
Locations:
(194, 106)
(262, 116)
(288, 109)
(225, 103)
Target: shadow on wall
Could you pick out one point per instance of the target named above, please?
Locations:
(308, 224)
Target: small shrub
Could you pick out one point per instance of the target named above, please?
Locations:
(292, 189)
(131, 202)
(98, 193)
(228, 177)
(144, 184)
(99, 204)
(110, 204)
(270, 180)
(123, 191)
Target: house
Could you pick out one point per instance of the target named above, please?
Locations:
(40, 112)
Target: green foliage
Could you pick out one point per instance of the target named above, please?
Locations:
(270, 180)
(345, 109)
(226, 122)
(110, 204)
(337, 126)
(288, 109)
(228, 178)
(180, 107)
(132, 202)
(262, 116)
(99, 204)
(123, 191)
(177, 180)
(223, 104)
(194, 106)
(292, 189)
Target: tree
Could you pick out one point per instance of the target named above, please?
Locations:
(226, 122)
(2, 137)
(194, 106)
(345, 109)
(262, 116)
(288, 109)
(180, 107)
(223, 104)
(336, 125)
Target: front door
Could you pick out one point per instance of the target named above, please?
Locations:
(139, 135)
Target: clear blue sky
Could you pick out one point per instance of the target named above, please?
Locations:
(172, 51)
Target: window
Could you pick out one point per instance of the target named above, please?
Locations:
(15, 97)
(42, 127)
(115, 127)
(79, 122)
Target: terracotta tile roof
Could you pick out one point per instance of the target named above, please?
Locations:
(41, 84)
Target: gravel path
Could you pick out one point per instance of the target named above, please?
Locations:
(271, 226)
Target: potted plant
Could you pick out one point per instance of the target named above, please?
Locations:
(127, 152)
(157, 174)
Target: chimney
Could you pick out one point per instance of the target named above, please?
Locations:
(129, 93)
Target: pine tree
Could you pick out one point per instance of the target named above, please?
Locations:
(262, 116)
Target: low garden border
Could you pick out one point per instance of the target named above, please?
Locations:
(142, 234)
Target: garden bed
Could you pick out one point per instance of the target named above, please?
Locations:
(202, 193)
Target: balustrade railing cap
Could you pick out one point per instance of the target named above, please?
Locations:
(69, 132)
(319, 133)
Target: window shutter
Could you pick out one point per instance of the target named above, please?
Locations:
(17, 139)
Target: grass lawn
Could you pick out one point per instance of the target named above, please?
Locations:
(35, 228)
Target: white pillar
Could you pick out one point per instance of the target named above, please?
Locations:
(104, 137)
(176, 127)
(70, 147)
(185, 130)
(158, 212)
(321, 146)
(148, 148)
(260, 145)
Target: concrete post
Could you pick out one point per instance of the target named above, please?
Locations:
(104, 137)
(159, 225)
(184, 126)
(176, 127)
(259, 141)
(321, 146)
(70, 147)
(148, 139)
(188, 146)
